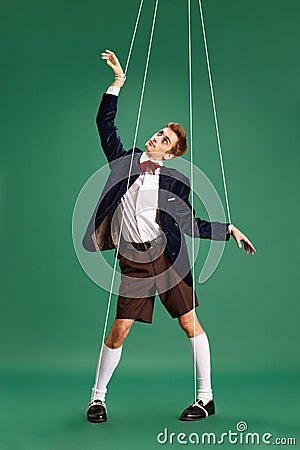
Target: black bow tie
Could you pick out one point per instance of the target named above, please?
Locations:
(150, 164)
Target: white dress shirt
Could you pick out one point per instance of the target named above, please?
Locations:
(139, 204)
(139, 207)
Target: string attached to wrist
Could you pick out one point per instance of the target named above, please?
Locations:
(121, 77)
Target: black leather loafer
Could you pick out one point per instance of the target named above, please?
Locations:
(198, 410)
(96, 412)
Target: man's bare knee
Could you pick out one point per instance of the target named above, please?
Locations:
(118, 332)
(190, 324)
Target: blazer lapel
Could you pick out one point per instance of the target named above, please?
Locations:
(135, 170)
(165, 179)
(165, 182)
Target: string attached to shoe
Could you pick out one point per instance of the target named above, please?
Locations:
(191, 150)
(131, 162)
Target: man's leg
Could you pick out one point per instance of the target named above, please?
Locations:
(109, 358)
(204, 405)
(180, 300)
(110, 355)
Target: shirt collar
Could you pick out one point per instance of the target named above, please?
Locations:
(145, 157)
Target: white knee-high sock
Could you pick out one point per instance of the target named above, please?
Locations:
(108, 362)
(200, 346)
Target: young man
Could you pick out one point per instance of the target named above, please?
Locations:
(150, 203)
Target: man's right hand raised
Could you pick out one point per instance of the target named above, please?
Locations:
(113, 62)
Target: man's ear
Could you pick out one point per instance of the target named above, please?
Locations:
(169, 156)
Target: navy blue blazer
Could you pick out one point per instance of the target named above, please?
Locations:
(174, 209)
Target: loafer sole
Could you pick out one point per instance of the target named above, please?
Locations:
(96, 419)
(193, 419)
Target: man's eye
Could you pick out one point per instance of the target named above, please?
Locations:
(159, 133)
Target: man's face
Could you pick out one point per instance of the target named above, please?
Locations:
(160, 144)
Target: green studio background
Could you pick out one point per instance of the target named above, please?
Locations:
(52, 314)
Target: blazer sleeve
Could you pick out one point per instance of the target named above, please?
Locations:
(206, 230)
(105, 120)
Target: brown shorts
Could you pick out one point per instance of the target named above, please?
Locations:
(142, 274)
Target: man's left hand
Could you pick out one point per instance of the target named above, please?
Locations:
(240, 238)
